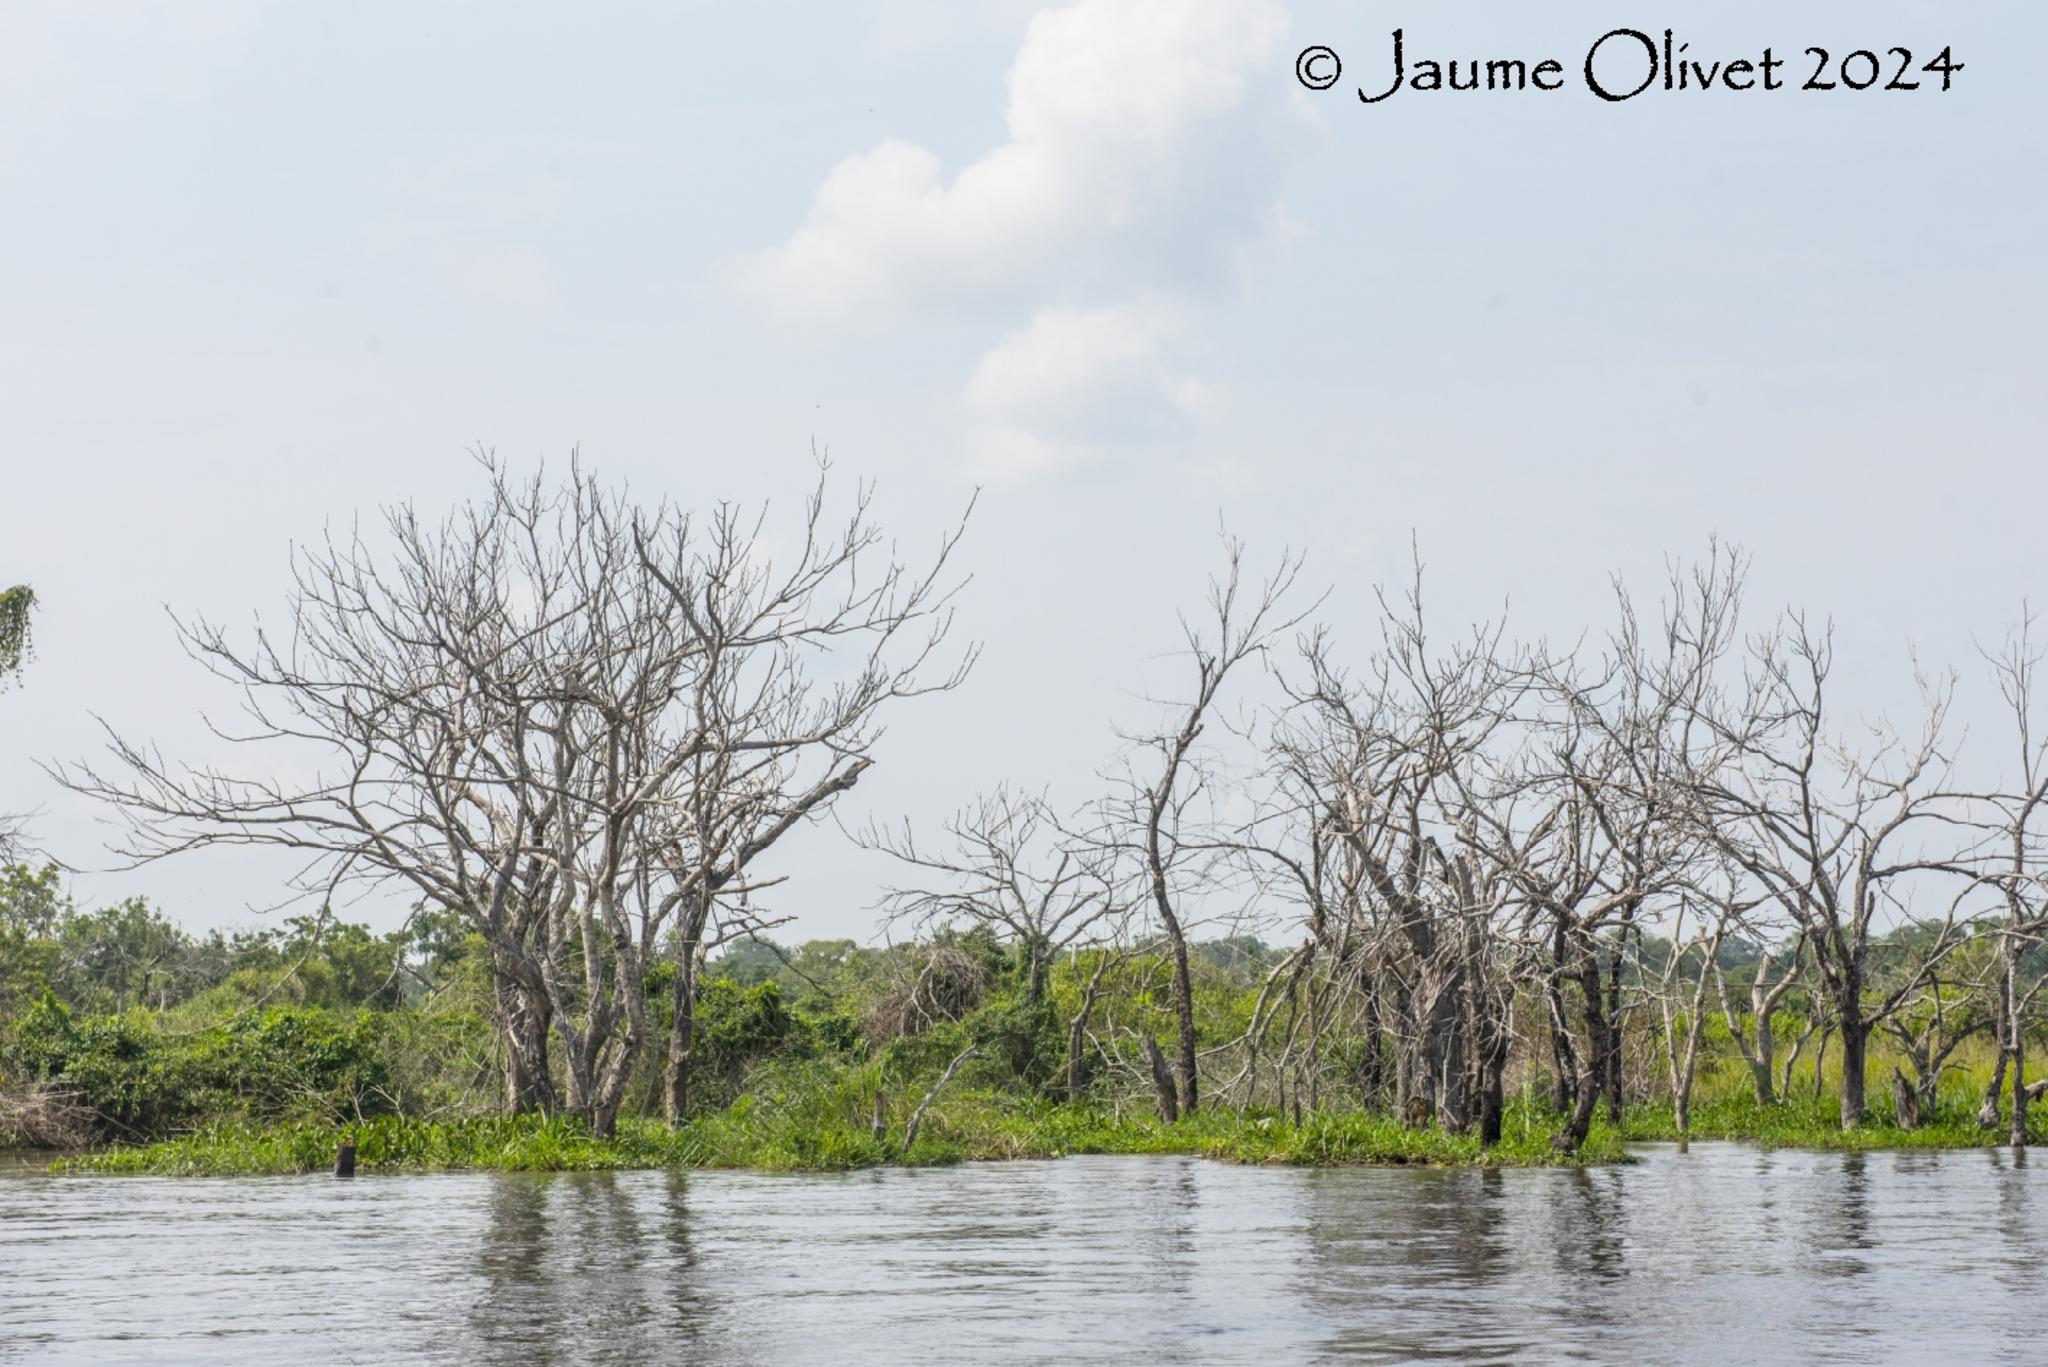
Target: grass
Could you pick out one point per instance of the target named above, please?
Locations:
(982, 1126)
(1807, 1123)
(814, 1116)
(1809, 1115)
(975, 1126)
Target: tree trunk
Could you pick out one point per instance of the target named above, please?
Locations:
(917, 1116)
(1162, 1082)
(1855, 1044)
(1404, 1035)
(1905, 1102)
(1372, 1070)
(523, 1021)
(675, 1090)
(1034, 972)
(682, 1027)
(1454, 1097)
(604, 1114)
(1760, 1067)
(1612, 1081)
(613, 1064)
(1987, 1113)
(1761, 1055)
(1493, 1066)
(1580, 1123)
(1184, 1019)
(2020, 1091)
(1564, 1058)
(1077, 1030)
(1564, 1062)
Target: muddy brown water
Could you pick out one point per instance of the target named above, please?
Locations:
(1725, 1254)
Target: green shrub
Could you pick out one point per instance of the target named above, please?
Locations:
(265, 1066)
(733, 1028)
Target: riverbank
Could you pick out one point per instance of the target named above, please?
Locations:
(992, 1127)
(989, 1128)
(980, 1128)
(1815, 1123)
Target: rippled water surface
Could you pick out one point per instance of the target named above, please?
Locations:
(1723, 1254)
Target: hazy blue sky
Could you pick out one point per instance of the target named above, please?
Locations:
(267, 266)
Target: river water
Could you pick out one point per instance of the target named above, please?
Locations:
(1723, 1254)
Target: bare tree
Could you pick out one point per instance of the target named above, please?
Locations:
(1387, 772)
(1009, 867)
(1828, 833)
(1945, 1013)
(14, 838)
(1150, 818)
(564, 716)
(1757, 1044)
(1679, 989)
(771, 747)
(2019, 867)
(1618, 761)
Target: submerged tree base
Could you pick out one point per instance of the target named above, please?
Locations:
(977, 1127)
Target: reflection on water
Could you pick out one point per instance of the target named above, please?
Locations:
(1722, 1254)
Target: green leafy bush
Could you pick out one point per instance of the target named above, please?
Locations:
(263, 1066)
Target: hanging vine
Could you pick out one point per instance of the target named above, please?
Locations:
(15, 604)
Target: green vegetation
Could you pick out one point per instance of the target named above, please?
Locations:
(976, 1126)
(16, 604)
(262, 1052)
(1807, 1123)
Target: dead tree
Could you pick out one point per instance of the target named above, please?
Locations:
(1150, 819)
(2017, 864)
(1828, 833)
(1679, 988)
(1758, 1043)
(917, 1116)
(1616, 762)
(1384, 770)
(1010, 868)
(1929, 1027)
(564, 716)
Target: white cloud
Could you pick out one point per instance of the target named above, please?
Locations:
(1113, 107)
(1049, 365)
(1071, 380)
(1127, 179)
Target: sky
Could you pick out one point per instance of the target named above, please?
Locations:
(268, 267)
